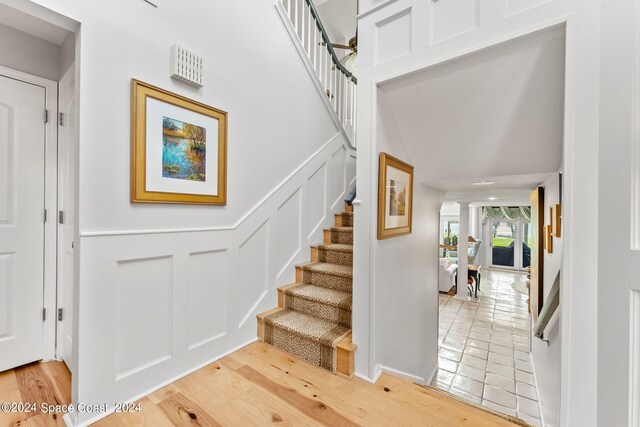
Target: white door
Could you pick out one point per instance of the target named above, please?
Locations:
(22, 139)
(66, 216)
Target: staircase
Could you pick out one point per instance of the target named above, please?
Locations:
(313, 317)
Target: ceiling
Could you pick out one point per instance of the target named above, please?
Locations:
(339, 18)
(31, 25)
(496, 115)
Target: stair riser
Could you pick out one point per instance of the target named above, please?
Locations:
(337, 283)
(334, 314)
(302, 348)
(343, 237)
(335, 257)
(344, 220)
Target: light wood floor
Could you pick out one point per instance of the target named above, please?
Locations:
(259, 385)
(37, 383)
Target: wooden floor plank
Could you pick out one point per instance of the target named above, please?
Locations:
(183, 412)
(36, 387)
(255, 386)
(316, 410)
(60, 377)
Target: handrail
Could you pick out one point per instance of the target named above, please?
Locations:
(327, 41)
(549, 308)
(334, 82)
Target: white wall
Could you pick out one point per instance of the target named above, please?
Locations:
(405, 275)
(24, 52)
(402, 36)
(546, 357)
(67, 53)
(163, 289)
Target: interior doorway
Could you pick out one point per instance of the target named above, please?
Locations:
(24, 141)
(38, 188)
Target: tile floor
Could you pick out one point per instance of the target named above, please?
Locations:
(484, 348)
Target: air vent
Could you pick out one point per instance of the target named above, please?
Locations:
(186, 66)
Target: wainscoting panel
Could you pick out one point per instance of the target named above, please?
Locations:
(514, 7)
(393, 36)
(452, 18)
(337, 177)
(316, 198)
(157, 304)
(143, 314)
(207, 296)
(289, 221)
(351, 171)
(253, 257)
(6, 295)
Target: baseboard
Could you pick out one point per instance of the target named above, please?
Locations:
(401, 374)
(433, 374)
(535, 380)
(376, 375)
(73, 423)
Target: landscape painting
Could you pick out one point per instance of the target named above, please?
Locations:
(178, 148)
(184, 150)
(397, 198)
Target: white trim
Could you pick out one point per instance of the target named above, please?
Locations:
(50, 204)
(222, 228)
(312, 73)
(71, 422)
(435, 370)
(375, 8)
(471, 50)
(535, 380)
(402, 374)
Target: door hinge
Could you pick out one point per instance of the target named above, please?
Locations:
(44, 314)
(60, 217)
(46, 116)
(61, 119)
(44, 216)
(59, 315)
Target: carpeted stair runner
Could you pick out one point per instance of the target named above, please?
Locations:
(315, 314)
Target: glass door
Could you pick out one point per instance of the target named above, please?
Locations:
(511, 244)
(527, 235)
(503, 243)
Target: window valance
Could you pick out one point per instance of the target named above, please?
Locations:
(510, 213)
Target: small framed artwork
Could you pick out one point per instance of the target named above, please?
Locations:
(556, 221)
(178, 148)
(395, 197)
(548, 239)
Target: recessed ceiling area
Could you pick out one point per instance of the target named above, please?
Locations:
(495, 115)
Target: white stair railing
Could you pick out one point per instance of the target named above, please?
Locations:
(336, 83)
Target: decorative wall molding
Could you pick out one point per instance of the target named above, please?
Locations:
(197, 290)
(220, 228)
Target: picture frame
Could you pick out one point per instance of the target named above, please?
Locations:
(178, 148)
(548, 239)
(556, 221)
(395, 197)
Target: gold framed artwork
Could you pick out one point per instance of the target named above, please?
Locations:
(556, 221)
(178, 148)
(395, 197)
(548, 239)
